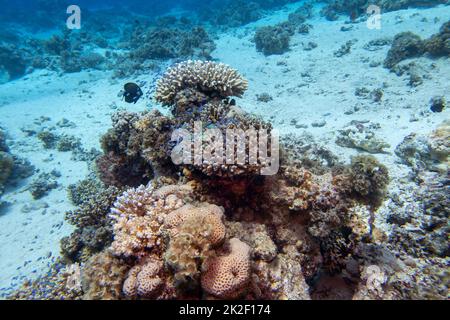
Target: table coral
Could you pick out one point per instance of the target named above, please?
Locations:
(208, 77)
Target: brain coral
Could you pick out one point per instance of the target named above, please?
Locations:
(144, 280)
(213, 78)
(194, 232)
(226, 277)
(139, 214)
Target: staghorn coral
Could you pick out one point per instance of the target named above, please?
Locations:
(227, 276)
(212, 78)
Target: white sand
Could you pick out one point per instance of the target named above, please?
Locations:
(329, 89)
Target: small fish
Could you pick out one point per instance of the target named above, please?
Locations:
(132, 92)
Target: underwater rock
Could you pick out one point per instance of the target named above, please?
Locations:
(405, 45)
(41, 185)
(430, 152)
(6, 169)
(438, 45)
(345, 49)
(273, 39)
(356, 8)
(361, 135)
(438, 104)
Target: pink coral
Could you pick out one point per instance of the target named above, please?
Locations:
(227, 276)
(144, 280)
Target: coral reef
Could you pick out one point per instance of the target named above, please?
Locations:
(195, 231)
(166, 43)
(42, 184)
(368, 177)
(438, 45)
(144, 280)
(409, 45)
(139, 216)
(6, 168)
(12, 62)
(357, 8)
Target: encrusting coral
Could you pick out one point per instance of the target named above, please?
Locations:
(194, 232)
(102, 277)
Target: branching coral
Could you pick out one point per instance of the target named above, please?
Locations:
(93, 226)
(209, 77)
(227, 276)
(139, 216)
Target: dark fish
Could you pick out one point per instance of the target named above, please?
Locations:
(132, 92)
